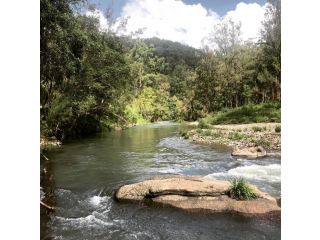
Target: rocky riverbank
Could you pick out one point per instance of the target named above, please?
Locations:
(196, 194)
(267, 135)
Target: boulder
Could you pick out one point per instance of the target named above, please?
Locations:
(196, 194)
(250, 152)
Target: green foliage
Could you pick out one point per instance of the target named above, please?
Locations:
(203, 124)
(240, 190)
(184, 134)
(235, 136)
(83, 72)
(277, 129)
(90, 79)
(207, 133)
(198, 130)
(251, 113)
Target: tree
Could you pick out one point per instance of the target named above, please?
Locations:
(271, 48)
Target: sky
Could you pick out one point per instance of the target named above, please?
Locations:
(189, 22)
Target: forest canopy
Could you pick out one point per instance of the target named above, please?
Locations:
(92, 79)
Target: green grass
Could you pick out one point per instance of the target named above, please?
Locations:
(235, 136)
(240, 190)
(251, 113)
(203, 124)
(199, 131)
(184, 134)
(207, 133)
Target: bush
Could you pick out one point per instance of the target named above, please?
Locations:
(277, 129)
(240, 190)
(203, 124)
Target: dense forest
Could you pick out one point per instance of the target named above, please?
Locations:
(92, 79)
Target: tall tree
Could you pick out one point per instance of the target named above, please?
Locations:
(271, 47)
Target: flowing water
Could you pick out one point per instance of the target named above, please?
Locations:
(82, 176)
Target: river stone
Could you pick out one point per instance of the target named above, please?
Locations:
(196, 194)
(250, 152)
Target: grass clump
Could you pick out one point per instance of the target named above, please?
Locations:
(235, 136)
(203, 124)
(277, 129)
(199, 131)
(207, 133)
(241, 190)
(184, 134)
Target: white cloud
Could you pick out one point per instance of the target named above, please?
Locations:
(169, 19)
(250, 15)
(188, 24)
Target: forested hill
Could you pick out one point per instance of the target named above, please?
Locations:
(174, 52)
(92, 79)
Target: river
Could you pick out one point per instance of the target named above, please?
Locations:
(83, 174)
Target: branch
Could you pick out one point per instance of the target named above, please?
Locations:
(46, 206)
(44, 156)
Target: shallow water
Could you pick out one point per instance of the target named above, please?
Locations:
(83, 174)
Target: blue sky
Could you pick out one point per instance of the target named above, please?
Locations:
(219, 6)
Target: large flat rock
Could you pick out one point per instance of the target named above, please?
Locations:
(195, 193)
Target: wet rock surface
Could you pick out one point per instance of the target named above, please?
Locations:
(250, 152)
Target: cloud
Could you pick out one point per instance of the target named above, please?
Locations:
(185, 23)
(169, 19)
(250, 15)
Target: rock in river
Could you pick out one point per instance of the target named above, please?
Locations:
(196, 194)
(250, 152)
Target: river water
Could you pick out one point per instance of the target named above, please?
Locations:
(82, 176)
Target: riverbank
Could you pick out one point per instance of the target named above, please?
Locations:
(49, 143)
(267, 135)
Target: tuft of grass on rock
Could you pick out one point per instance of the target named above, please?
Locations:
(277, 129)
(241, 190)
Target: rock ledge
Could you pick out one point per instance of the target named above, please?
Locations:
(196, 194)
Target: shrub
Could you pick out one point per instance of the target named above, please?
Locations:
(277, 129)
(203, 124)
(240, 190)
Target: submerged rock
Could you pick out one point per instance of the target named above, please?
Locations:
(250, 152)
(196, 194)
